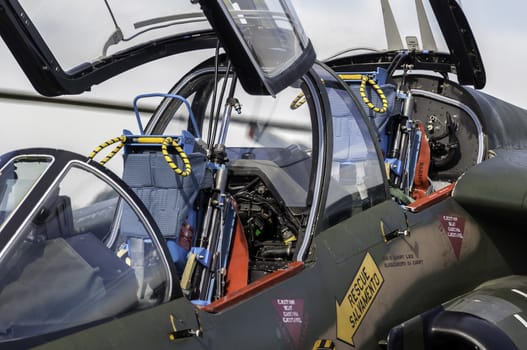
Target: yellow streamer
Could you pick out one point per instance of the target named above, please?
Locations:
(121, 139)
(362, 90)
(165, 142)
(180, 152)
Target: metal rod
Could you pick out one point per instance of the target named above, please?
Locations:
(228, 111)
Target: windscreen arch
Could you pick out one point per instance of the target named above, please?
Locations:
(357, 181)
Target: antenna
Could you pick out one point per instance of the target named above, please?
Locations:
(393, 37)
(427, 37)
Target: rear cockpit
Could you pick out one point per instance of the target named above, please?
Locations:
(428, 126)
(428, 131)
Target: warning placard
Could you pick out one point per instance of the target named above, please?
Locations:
(454, 227)
(291, 313)
(356, 302)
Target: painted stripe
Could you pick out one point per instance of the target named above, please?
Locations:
(323, 344)
(517, 291)
(521, 320)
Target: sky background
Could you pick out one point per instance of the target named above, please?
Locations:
(500, 28)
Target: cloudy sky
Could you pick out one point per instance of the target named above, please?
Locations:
(499, 26)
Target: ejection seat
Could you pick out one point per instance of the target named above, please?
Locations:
(402, 140)
(168, 196)
(171, 198)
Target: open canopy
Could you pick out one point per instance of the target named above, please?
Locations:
(65, 47)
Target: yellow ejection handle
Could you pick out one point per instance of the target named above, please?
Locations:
(362, 90)
(169, 141)
(105, 144)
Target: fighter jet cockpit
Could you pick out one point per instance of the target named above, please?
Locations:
(267, 197)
